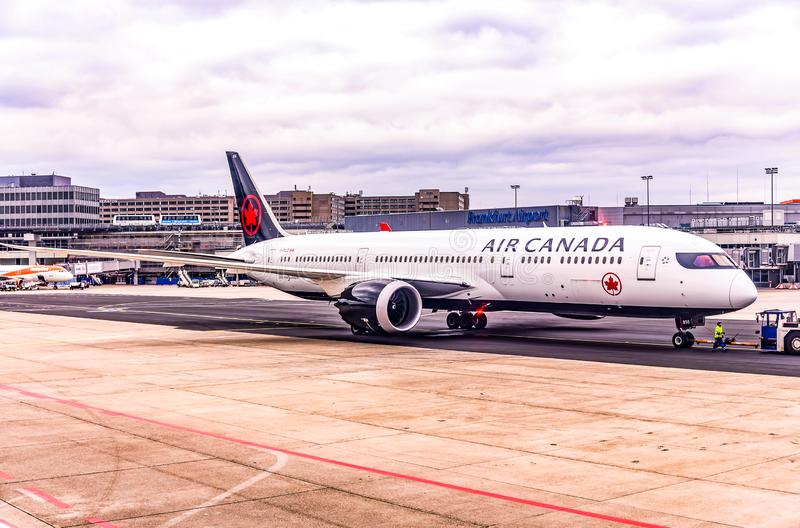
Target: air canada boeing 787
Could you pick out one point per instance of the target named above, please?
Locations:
(382, 281)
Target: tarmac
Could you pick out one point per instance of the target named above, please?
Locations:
(200, 408)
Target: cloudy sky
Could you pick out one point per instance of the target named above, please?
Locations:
(563, 98)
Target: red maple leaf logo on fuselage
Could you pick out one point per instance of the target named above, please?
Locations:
(612, 284)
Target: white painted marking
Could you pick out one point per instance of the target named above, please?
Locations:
(281, 460)
(30, 495)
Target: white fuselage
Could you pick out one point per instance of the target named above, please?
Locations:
(600, 270)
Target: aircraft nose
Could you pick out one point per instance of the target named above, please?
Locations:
(743, 292)
(67, 276)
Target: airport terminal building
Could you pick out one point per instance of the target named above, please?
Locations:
(49, 210)
(49, 201)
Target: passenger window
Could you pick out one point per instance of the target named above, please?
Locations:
(619, 260)
(562, 260)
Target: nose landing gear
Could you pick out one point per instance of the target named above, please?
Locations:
(466, 320)
(683, 338)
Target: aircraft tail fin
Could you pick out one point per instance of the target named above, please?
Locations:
(258, 221)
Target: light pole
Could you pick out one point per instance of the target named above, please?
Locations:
(516, 188)
(647, 181)
(772, 171)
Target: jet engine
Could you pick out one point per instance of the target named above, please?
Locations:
(391, 306)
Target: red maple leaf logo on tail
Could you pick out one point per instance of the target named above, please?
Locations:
(251, 215)
(612, 284)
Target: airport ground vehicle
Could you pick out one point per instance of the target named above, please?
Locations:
(22, 286)
(780, 331)
(382, 281)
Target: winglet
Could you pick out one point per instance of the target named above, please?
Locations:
(385, 227)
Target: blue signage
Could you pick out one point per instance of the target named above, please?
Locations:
(509, 216)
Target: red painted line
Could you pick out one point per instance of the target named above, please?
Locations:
(340, 463)
(6, 524)
(5, 476)
(101, 522)
(49, 498)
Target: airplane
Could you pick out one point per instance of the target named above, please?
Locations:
(382, 281)
(20, 275)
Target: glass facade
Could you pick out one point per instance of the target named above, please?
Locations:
(23, 206)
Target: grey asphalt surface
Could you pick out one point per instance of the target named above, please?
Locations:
(613, 340)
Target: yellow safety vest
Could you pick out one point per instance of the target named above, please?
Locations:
(718, 332)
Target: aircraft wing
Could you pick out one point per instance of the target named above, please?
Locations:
(177, 258)
(332, 281)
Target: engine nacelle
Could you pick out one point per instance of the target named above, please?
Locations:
(391, 306)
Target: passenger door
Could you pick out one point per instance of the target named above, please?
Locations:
(648, 260)
(361, 259)
(507, 267)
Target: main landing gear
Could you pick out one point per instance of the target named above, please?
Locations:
(683, 338)
(466, 320)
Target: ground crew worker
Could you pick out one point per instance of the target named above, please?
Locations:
(719, 337)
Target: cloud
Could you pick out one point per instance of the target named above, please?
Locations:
(561, 97)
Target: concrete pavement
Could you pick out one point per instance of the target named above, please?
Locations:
(113, 423)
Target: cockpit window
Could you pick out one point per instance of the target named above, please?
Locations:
(723, 260)
(705, 260)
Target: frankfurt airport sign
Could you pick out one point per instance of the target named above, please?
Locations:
(509, 216)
